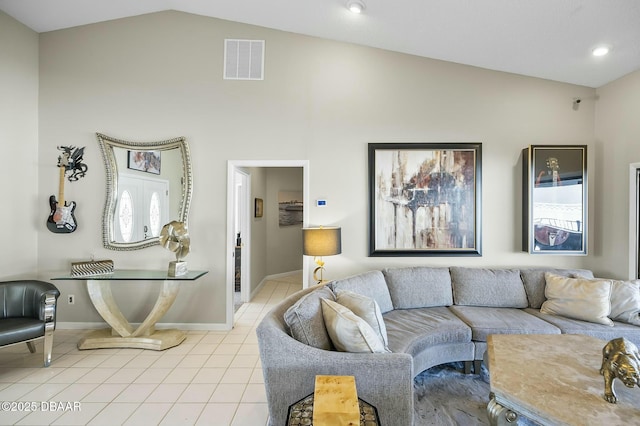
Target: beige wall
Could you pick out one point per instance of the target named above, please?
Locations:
(158, 76)
(25, 211)
(617, 145)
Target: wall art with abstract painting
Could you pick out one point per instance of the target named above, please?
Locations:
(425, 199)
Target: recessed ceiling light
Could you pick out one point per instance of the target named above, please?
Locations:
(600, 51)
(355, 6)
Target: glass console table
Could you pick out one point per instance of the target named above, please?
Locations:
(122, 334)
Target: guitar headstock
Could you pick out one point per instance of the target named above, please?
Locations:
(553, 164)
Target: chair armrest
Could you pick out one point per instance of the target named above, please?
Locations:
(28, 298)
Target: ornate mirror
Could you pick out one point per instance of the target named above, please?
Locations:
(149, 184)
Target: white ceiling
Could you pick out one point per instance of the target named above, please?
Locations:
(550, 39)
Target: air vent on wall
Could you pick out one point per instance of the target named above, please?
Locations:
(243, 59)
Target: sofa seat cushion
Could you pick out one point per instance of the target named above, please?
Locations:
(306, 322)
(370, 284)
(535, 283)
(498, 288)
(485, 321)
(600, 331)
(412, 330)
(14, 330)
(419, 287)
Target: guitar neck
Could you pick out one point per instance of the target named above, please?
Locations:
(61, 201)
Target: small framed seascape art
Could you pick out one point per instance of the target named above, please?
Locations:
(425, 199)
(554, 199)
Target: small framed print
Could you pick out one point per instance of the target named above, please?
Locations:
(144, 161)
(425, 199)
(555, 199)
(258, 207)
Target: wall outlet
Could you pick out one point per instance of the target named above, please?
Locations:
(71, 299)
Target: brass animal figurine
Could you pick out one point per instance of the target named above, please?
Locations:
(620, 359)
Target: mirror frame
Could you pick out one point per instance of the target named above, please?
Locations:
(107, 143)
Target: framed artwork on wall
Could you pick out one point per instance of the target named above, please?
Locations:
(425, 199)
(144, 161)
(258, 209)
(554, 199)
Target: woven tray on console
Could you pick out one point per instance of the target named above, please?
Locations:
(91, 267)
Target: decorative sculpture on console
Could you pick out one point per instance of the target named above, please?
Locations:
(620, 359)
(175, 237)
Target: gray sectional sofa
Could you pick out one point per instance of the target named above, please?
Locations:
(432, 316)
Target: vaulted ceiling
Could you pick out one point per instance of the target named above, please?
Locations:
(550, 39)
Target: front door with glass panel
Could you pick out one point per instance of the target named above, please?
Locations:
(142, 208)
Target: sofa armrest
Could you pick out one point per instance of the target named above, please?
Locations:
(384, 380)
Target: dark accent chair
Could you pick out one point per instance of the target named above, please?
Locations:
(27, 313)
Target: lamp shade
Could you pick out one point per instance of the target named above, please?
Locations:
(321, 241)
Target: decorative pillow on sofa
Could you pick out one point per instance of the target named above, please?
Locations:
(625, 301)
(578, 298)
(349, 332)
(366, 308)
(306, 322)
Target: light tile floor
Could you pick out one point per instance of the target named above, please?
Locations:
(212, 378)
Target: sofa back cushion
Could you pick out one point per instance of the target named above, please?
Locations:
(305, 321)
(499, 288)
(419, 287)
(370, 284)
(534, 282)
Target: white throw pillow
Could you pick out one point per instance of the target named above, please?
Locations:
(349, 332)
(578, 298)
(366, 308)
(625, 301)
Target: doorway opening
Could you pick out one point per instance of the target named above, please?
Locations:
(245, 228)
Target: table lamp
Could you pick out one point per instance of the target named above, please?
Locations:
(318, 242)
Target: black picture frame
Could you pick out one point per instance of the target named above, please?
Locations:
(425, 199)
(555, 202)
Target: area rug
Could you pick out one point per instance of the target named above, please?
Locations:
(445, 396)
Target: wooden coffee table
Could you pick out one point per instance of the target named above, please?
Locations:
(554, 380)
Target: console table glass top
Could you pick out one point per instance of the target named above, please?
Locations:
(135, 275)
(122, 333)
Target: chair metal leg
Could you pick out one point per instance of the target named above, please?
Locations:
(32, 347)
(467, 367)
(49, 326)
(48, 343)
(477, 366)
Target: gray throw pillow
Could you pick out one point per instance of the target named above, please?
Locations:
(306, 322)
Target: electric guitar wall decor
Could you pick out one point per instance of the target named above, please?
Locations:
(61, 219)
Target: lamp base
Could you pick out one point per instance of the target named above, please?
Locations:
(315, 275)
(177, 268)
